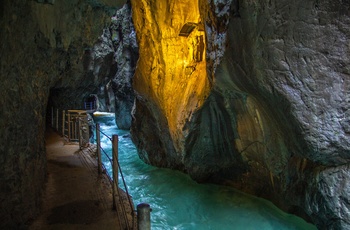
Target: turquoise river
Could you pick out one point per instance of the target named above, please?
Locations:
(178, 202)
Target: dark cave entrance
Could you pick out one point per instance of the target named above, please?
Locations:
(91, 102)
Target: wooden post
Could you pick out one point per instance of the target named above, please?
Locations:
(115, 168)
(143, 217)
(63, 122)
(80, 132)
(52, 125)
(98, 142)
(57, 119)
(75, 127)
(69, 124)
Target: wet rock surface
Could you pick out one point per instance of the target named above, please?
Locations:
(327, 197)
(287, 64)
(275, 121)
(105, 71)
(125, 56)
(42, 49)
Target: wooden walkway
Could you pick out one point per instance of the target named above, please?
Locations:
(75, 197)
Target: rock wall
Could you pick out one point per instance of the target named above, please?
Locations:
(267, 114)
(42, 49)
(290, 60)
(170, 79)
(125, 56)
(107, 69)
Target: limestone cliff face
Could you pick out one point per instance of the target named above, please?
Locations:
(42, 50)
(125, 56)
(291, 61)
(170, 79)
(106, 71)
(269, 111)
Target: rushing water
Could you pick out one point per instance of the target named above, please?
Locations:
(178, 202)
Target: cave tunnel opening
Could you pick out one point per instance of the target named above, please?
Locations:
(91, 102)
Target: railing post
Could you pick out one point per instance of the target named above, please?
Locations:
(80, 133)
(57, 119)
(98, 142)
(63, 122)
(115, 168)
(75, 127)
(69, 126)
(72, 128)
(143, 216)
(52, 125)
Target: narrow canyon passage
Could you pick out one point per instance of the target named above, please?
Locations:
(254, 95)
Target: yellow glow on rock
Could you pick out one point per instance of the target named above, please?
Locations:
(171, 71)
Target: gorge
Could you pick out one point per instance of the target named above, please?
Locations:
(251, 94)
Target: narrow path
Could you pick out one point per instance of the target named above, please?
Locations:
(75, 197)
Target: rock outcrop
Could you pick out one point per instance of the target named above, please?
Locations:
(42, 48)
(108, 67)
(125, 56)
(170, 79)
(266, 109)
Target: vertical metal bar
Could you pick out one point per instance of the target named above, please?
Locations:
(143, 216)
(98, 142)
(63, 122)
(115, 168)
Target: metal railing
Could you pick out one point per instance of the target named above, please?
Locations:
(117, 197)
(90, 105)
(74, 125)
(71, 124)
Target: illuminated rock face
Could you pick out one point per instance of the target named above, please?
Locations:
(171, 79)
(269, 109)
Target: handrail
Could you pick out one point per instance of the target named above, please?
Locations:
(114, 181)
(90, 105)
(109, 159)
(99, 129)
